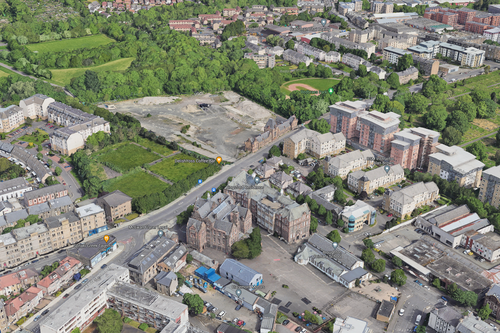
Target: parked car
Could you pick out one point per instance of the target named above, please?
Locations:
(286, 322)
(238, 307)
(78, 286)
(235, 320)
(103, 266)
(66, 296)
(298, 329)
(45, 312)
(214, 309)
(288, 304)
(222, 314)
(180, 293)
(84, 281)
(401, 312)
(389, 215)
(36, 318)
(444, 299)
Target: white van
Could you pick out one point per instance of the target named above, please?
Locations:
(417, 321)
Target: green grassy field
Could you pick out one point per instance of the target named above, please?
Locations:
(71, 44)
(160, 149)
(128, 157)
(5, 71)
(473, 82)
(177, 171)
(35, 139)
(135, 184)
(63, 76)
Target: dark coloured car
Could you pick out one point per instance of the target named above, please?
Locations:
(298, 329)
(45, 312)
(238, 307)
(444, 299)
(288, 304)
(104, 266)
(285, 322)
(66, 296)
(78, 286)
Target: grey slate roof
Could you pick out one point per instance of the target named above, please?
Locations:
(386, 308)
(447, 314)
(60, 202)
(150, 254)
(354, 274)
(13, 185)
(116, 198)
(174, 256)
(13, 217)
(239, 270)
(39, 209)
(166, 278)
(494, 291)
(53, 189)
(340, 255)
(300, 187)
(56, 221)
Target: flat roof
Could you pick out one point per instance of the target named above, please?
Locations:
(104, 279)
(88, 210)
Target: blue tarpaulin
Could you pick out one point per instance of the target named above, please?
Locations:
(395, 299)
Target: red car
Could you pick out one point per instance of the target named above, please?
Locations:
(389, 215)
(240, 322)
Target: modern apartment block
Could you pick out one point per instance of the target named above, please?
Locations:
(403, 202)
(344, 118)
(334, 39)
(36, 106)
(217, 222)
(477, 27)
(358, 215)
(333, 56)
(314, 143)
(407, 75)
(354, 61)
(78, 126)
(341, 165)
(308, 50)
(11, 118)
(393, 54)
(412, 146)
(469, 56)
(492, 34)
(368, 181)
(454, 163)
(271, 210)
(296, 58)
(405, 148)
(490, 187)
(376, 130)
(263, 61)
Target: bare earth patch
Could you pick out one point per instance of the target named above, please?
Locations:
(486, 124)
(296, 86)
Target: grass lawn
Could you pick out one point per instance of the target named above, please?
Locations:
(491, 149)
(471, 83)
(134, 323)
(132, 216)
(71, 44)
(63, 76)
(156, 147)
(150, 330)
(135, 184)
(3, 72)
(177, 171)
(128, 157)
(35, 139)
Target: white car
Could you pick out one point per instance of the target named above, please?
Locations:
(222, 314)
(401, 312)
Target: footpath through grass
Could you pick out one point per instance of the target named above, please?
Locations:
(71, 44)
(63, 77)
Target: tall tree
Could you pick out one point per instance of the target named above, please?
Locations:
(92, 81)
(109, 322)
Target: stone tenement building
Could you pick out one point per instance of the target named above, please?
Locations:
(314, 143)
(217, 222)
(271, 210)
(273, 130)
(492, 298)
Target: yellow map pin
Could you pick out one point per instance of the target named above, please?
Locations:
(106, 238)
(219, 159)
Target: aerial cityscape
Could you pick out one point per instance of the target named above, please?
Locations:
(281, 166)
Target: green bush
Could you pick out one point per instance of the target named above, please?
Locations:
(143, 326)
(127, 320)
